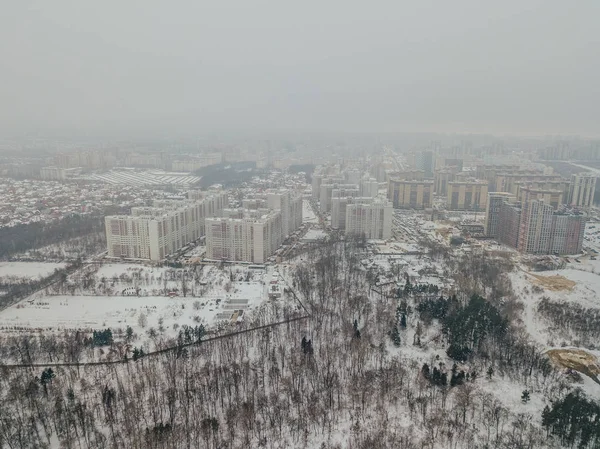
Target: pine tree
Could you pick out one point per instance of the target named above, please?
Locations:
(403, 321)
(525, 396)
(395, 335)
(128, 334)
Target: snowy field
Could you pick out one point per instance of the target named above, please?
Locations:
(28, 270)
(96, 312)
(143, 297)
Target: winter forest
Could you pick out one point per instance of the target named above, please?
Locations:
(369, 366)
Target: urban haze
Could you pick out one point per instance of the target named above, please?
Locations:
(318, 225)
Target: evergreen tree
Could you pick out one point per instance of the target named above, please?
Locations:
(403, 321)
(395, 335)
(525, 397)
(128, 334)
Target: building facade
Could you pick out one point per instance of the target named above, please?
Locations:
(251, 239)
(492, 211)
(582, 189)
(467, 195)
(410, 194)
(153, 233)
(371, 219)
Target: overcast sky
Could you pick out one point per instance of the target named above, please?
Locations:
(172, 67)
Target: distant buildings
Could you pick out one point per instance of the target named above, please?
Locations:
(53, 174)
(196, 162)
(290, 206)
(57, 173)
(424, 160)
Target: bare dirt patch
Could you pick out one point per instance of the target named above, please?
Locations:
(577, 359)
(554, 283)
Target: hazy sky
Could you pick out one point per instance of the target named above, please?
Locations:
(171, 67)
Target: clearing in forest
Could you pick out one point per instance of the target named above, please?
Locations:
(577, 359)
(554, 283)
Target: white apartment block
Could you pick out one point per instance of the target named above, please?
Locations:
(581, 190)
(373, 219)
(339, 201)
(290, 206)
(155, 232)
(328, 191)
(251, 239)
(369, 188)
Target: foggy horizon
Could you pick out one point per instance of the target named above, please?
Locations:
(112, 69)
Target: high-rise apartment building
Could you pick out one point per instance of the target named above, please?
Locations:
(467, 195)
(327, 193)
(441, 179)
(492, 212)
(424, 160)
(582, 189)
(155, 232)
(290, 206)
(253, 238)
(509, 181)
(372, 219)
(410, 194)
(535, 227)
(339, 200)
(535, 230)
(552, 197)
(369, 188)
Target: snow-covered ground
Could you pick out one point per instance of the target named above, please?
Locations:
(308, 216)
(314, 235)
(96, 312)
(120, 293)
(28, 270)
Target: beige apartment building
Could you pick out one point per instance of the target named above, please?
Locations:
(467, 195)
(410, 194)
(442, 177)
(550, 197)
(582, 188)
